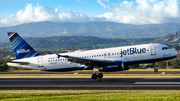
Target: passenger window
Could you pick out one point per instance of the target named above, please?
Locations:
(112, 53)
(94, 55)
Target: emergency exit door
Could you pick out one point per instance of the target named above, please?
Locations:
(153, 50)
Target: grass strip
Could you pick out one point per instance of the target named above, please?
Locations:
(89, 76)
(90, 95)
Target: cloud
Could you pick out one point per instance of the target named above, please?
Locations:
(102, 3)
(142, 11)
(133, 12)
(39, 13)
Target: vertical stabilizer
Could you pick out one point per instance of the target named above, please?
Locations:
(20, 47)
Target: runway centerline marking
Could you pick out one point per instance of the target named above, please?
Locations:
(160, 83)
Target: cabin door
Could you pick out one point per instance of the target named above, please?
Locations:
(40, 62)
(153, 50)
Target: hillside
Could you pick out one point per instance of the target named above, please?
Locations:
(97, 29)
(86, 41)
(172, 38)
(65, 41)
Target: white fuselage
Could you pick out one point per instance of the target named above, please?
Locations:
(128, 55)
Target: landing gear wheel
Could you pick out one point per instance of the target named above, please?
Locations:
(155, 70)
(94, 76)
(100, 75)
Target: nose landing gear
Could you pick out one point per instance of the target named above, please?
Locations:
(155, 69)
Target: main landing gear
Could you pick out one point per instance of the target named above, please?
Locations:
(155, 69)
(95, 76)
(99, 76)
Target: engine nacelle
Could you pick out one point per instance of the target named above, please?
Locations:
(113, 66)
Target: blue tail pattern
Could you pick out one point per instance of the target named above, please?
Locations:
(20, 47)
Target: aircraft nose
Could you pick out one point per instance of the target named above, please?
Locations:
(175, 53)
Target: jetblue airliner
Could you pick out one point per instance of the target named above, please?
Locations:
(108, 59)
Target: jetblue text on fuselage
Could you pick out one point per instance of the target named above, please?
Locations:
(131, 51)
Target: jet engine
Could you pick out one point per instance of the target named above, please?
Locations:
(113, 66)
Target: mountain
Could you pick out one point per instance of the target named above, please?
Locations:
(171, 38)
(98, 29)
(71, 41)
(88, 41)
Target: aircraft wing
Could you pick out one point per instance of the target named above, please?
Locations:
(85, 61)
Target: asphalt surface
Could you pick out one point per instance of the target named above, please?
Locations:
(90, 84)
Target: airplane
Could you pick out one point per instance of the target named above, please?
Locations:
(108, 59)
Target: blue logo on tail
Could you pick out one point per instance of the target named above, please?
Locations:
(20, 47)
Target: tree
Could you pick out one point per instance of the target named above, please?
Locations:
(4, 67)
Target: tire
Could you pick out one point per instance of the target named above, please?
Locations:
(100, 75)
(94, 76)
(155, 70)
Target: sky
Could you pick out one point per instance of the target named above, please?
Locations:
(138, 12)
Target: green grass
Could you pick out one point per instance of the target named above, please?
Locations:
(90, 95)
(89, 75)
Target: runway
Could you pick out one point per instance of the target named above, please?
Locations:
(90, 84)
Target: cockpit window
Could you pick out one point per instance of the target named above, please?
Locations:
(165, 48)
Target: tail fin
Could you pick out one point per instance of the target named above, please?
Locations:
(20, 47)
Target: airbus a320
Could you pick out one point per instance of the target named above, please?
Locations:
(108, 59)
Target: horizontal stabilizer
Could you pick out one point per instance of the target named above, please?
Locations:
(21, 63)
